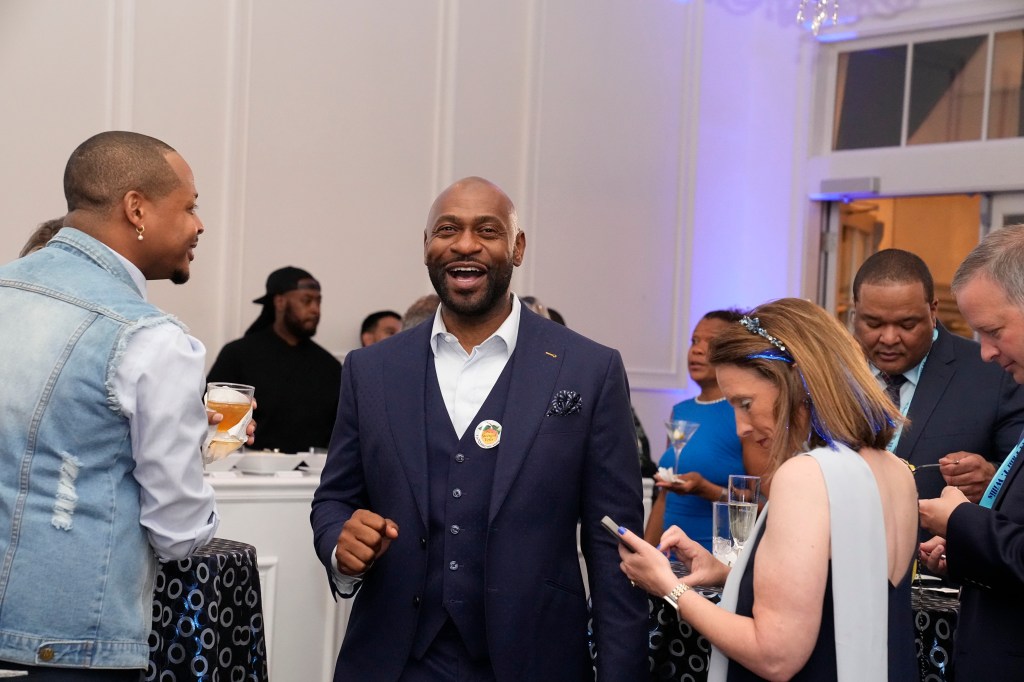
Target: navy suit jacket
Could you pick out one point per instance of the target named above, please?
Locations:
(960, 403)
(985, 553)
(552, 473)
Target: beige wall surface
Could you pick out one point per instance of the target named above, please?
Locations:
(656, 149)
(319, 132)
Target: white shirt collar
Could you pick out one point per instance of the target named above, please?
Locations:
(133, 272)
(508, 332)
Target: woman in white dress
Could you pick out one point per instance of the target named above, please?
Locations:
(822, 589)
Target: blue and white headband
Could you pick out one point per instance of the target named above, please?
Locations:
(781, 353)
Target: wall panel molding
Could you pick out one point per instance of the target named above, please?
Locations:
(233, 181)
(447, 75)
(673, 373)
(529, 162)
(268, 570)
(121, 65)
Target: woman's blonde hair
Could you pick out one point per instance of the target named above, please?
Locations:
(827, 394)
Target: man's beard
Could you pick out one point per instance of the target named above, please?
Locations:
(498, 281)
(180, 276)
(296, 328)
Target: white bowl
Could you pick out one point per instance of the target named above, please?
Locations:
(316, 461)
(267, 462)
(224, 463)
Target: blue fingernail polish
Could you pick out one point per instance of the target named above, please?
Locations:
(622, 531)
(659, 546)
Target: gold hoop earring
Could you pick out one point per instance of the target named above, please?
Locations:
(140, 229)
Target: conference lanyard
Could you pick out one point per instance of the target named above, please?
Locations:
(989, 498)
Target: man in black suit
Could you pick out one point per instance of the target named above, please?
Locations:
(981, 545)
(465, 453)
(964, 414)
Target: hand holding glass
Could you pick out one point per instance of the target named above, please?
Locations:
(234, 402)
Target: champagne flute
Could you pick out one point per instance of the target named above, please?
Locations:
(744, 492)
(680, 432)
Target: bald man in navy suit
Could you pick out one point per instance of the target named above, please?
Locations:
(465, 453)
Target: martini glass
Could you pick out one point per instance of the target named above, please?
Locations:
(680, 432)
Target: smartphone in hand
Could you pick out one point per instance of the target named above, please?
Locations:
(613, 528)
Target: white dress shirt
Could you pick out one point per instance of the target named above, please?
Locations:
(159, 384)
(465, 380)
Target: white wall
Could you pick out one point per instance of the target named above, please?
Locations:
(657, 149)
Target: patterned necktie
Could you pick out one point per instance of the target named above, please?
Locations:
(892, 386)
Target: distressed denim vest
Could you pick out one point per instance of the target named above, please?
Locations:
(76, 568)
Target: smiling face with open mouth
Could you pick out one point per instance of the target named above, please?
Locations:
(471, 246)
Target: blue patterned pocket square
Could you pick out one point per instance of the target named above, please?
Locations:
(565, 403)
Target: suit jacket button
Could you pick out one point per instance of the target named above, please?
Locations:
(46, 654)
(460, 458)
(423, 543)
(416, 602)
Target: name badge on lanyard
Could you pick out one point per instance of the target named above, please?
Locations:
(992, 492)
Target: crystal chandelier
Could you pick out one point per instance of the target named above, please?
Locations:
(818, 12)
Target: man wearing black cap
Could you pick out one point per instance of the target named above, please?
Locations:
(296, 380)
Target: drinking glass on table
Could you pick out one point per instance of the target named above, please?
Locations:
(721, 538)
(234, 402)
(744, 492)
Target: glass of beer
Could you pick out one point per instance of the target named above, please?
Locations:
(233, 401)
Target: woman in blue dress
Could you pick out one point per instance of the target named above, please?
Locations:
(822, 590)
(712, 453)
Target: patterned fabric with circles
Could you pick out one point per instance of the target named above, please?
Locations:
(208, 618)
(678, 653)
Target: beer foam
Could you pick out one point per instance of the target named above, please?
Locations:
(222, 394)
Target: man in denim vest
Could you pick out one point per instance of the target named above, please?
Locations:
(100, 418)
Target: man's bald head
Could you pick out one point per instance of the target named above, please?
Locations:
(476, 182)
(109, 165)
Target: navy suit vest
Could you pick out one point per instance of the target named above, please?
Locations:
(461, 475)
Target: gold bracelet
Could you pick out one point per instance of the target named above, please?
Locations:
(677, 592)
